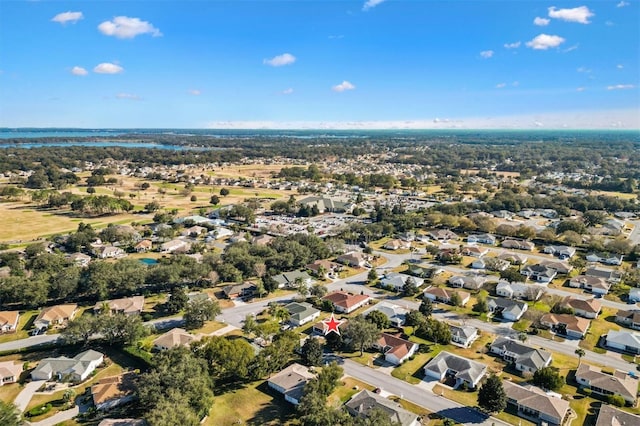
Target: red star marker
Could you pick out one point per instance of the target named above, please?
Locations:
(332, 324)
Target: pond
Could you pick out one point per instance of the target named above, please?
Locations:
(148, 261)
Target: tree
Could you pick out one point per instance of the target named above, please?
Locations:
(522, 337)
(318, 290)
(410, 287)
(9, 414)
(171, 412)
(455, 299)
(224, 192)
(580, 352)
(214, 200)
(312, 352)
(491, 396)
(200, 311)
(548, 378)
(361, 333)
(372, 276)
(512, 275)
(250, 325)
(80, 329)
(436, 331)
(226, 358)
(177, 301)
(426, 307)
(152, 207)
(380, 319)
(481, 305)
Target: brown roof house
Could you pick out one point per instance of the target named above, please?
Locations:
(143, 246)
(290, 382)
(354, 258)
(55, 315)
(585, 308)
(362, 403)
(113, 391)
(128, 305)
(611, 416)
(534, 404)
(596, 285)
(620, 383)
(346, 302)
(566, 324)
(8, 321)
(9, 372)
(395, 349)
(629, 318)
(174, 337)
(439, 294)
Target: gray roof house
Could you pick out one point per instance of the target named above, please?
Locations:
(75, 369)
(395, 313)
(539, 273)
(289, 279)
(361, 404)
(533, 403)
(626, 341)
(471, 282)
(518, 290)
(462, 370)
(290, 382)
(596, 285)
(525, 358)
(301, 313)
(508, 309)
(397, 280)
(562, 252)
(620, 383)
(611, 416)
(463, 335)
(610, 275)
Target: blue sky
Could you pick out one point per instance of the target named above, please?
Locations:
(420, 64)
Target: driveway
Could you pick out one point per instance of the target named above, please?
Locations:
(58, 417)
(25, 395)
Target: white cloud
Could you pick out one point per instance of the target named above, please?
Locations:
(580, 89)
(280, 60)
(345, 85)
(577, 14)
(370, 4)
(584, 70)
(619, 66)
(621, 87)
(622, 4)
(108, 68)
(128, 96)
(125, 27)
(287, 91)
(486, 54)
(194, 92)
(65, 17)
(541, 22)
(570, 49)
(501, 85)
(512, 45)
(545, 41)
(79, 71)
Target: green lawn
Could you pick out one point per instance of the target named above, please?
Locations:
(9, 392)
(346, 390)
(25, 321)
(599, 327)
(412, 371)
(253, 404)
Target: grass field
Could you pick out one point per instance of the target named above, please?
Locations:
(25, 320)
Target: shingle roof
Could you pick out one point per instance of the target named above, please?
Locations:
(536, 399)
(611, 416)
(619, 383)
(466, 369)
(526, 355)
(364, 401)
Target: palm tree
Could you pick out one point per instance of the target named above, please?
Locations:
(580, 352)
(523, 337)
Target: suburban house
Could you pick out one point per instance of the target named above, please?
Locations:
(442, 235)
(629, 318)
(75, 369)
(585, 308)
(395, 349)
(539, 273)
(397, 280)
(463, 335)
(562, 252)
(490, 263)
(246, 289)
(513, 258)
(346, 302)
(523, 357)
(143, 246)
(626, 341)
(321, 327)
(292, 279)
(262, 240)
(611, 416)
(474, 251)
(128, 305)
(108, 252)
(611, 275)
(518, 290)
(361, 404)
(9, 321)
(194, 231)
(326, 204)
(620, 383)
(482, 238)
(174, 246)
(110, 392)
(329, 268)
(439, 294)
(355, 259)
(518, 244)
(174, 337)
(559, 266)
(424, 271)
(533, 403)
(10, 372)
(596, 285)
(397, 244)
(290, 382)
(507, 309)
(566, 324)
(634, 295)
(80, 259)
(55, 315)
(301, 313)
(446, 365)
(607, 258)
(395, 313)
(470, 282)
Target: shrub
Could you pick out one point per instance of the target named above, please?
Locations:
(39, 410)
(586, 391)
(616, 400)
